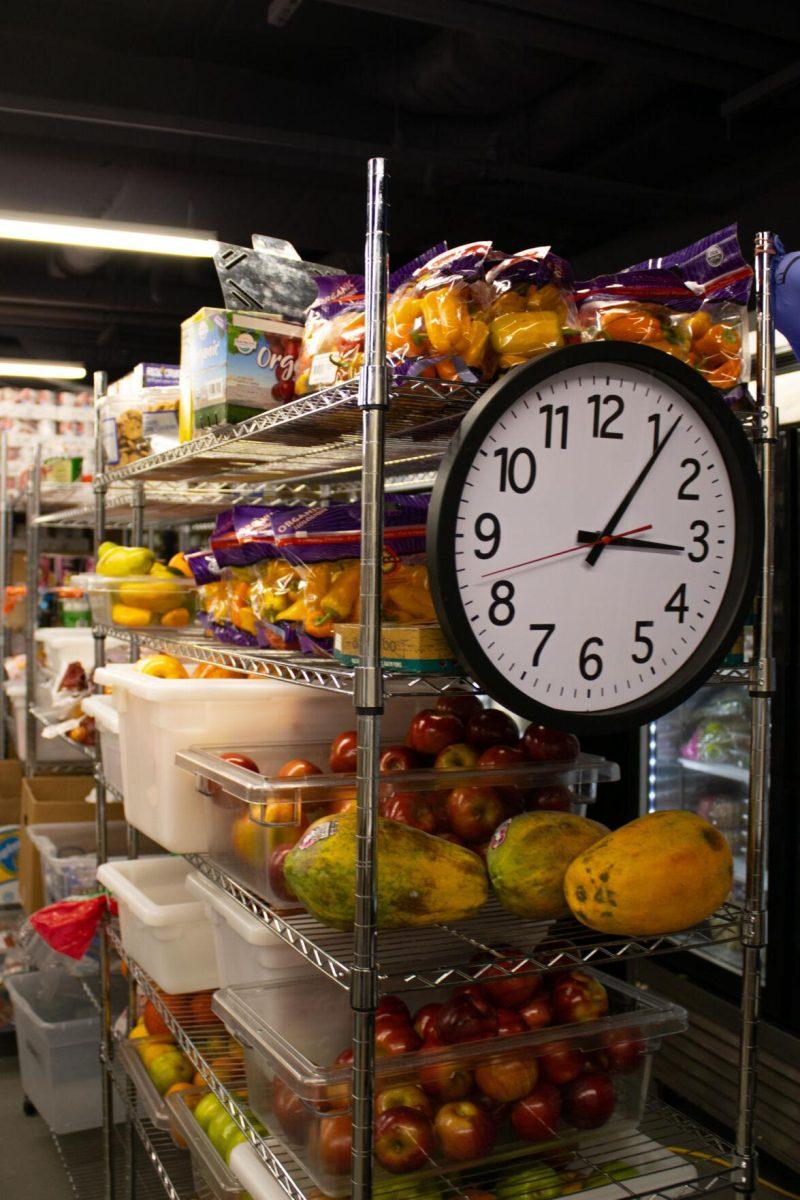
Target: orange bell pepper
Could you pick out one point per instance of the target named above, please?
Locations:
(318, 624)
(633, 327)
(400, 321)
(340, 601)
(720, 339)
(446, 369)
(475, 352)
(725, 376)
(698, 324)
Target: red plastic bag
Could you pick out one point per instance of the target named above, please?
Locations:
(69, 926)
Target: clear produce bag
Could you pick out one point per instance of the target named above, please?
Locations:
(532, 307)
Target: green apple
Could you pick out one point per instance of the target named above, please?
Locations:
(424, 1189)
(170, 1067)
(234, 1137)
(219, 1128)
(610, 1170)
(538, 1182)
(207, 1109)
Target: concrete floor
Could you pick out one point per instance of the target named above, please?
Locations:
(30, 1166)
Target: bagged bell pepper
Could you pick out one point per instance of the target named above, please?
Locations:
(532, 307)
(691, 304)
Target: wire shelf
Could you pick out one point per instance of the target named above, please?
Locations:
(704, 1163)
(43, 720)
(314, 437)
(162, 1167)
(462, 952)
(321, 673)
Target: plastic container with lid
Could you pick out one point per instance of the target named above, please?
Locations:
(161, 926)
(141, 601)
(295, 1087)
(213, 1178)
(58, 1031)
(69, 856)
(154, 1104)
(58, 646)
(106, 717)
(247, 950)
(160, 717)
(251, 818)
(47, 749)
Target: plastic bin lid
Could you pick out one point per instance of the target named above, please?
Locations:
(246, 926)
(167, 691)
(64, 633)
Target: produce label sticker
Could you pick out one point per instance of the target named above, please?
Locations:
(316, 833)
(499, 835)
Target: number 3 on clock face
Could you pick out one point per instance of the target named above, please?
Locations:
(593, 536)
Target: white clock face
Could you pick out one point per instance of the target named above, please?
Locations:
(594, 537)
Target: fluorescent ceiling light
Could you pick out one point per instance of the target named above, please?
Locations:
(37, 369)
(106, 235)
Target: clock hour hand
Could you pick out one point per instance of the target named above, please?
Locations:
(597, 548)
(585, 537)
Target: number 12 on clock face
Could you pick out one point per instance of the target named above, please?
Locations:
(594, 531)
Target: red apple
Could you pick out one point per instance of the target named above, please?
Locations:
(508, 1078)
(403, 1139)
(276, 872)
(403, 1095)
(509, 1022)
(490, 727)
(537, 1012)
(438, 802)
(535, 1117)
(496, 1110)
(463, 1130)
(219, 795)
(466, 1019)
(344, 753)
(298, 768)
(462, 704)
(394, 1037)
(431, 731)
(345, 1058)
(399, 758)
(444, 1080)
(335, 1145)
(475, 812)
(589, 1101)
(290, 1112)
(552, 799)
(509, 990)
(393, 1005)
(622, 1051)
(425, 1020)
(469, 989)
(559, 1062)
(550, 745)
(503, 755)
(240, 760)
(408, 808)
(578, 997)
(458, 757)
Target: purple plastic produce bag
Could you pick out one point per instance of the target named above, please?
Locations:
(786, 277)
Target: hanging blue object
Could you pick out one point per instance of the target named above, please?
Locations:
(786, 268)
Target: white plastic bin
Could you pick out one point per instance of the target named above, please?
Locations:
(69, 856)
(47, 749)
(247, 951)
(159, 717)
(104, 711)
(59, 646)
(166, 931)
(58, 1033)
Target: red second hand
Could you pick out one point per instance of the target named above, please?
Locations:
(603, 541)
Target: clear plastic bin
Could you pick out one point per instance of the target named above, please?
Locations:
(212, 1178)
(69, 856)
(295, 1089)
(58, 1033)
(47, 749)
(106, 717)
(161, 927)
(247, 950)
(142, 601)
(160, 717)
(251, 818)
(153, 1103)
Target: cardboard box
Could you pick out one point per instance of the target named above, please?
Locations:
(51, 800)
(410, 648)
(10, 787)
(234, 365)
(144, 375)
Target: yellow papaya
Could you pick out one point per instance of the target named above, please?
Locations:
(527, 858)
(119, 561)
(659, 874)
(130, 616)
(422, 880)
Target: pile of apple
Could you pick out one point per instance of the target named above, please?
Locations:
(170, 1070)
(453, 1109)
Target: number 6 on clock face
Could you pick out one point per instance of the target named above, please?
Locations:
(593, 536)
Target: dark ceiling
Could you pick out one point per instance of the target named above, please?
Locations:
(612, 129)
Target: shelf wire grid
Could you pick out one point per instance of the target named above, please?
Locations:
(86, 750)
(464, 951)
(657, 1151)
(160, 1167)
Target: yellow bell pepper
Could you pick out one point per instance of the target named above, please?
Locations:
(340, 601)
(129, 616)
(447, 320)
(507, 302)
(400, 320)
(176, 618)
(478, 341)
(526, 333)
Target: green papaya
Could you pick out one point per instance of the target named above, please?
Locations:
(529, 855)
(422, 880)
(119, 561)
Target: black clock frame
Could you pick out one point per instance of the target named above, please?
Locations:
(740, 462)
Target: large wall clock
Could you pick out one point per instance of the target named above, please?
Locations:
(594, 536)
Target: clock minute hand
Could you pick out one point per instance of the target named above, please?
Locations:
(587, 538)
(597, 548)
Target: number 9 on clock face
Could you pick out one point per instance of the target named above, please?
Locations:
(593, 536)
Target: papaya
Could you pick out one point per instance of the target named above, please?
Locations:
(123, 560)
(422, 879)
(658, 874)
(158, 596)
(527, 858)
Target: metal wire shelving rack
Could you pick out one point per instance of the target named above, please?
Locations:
(357, 439)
